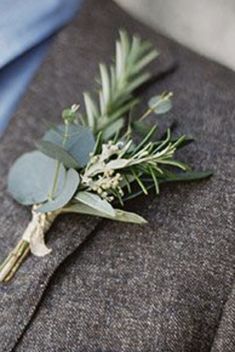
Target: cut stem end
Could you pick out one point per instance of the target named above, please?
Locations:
(13, 261)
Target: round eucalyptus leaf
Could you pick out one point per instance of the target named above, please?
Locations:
(31, 178)
(71, 185)
(160, 104)
(57, 152)
(79, 142)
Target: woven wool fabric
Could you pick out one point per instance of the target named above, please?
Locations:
(165, 286)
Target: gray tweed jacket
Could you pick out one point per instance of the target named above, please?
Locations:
(167, 286)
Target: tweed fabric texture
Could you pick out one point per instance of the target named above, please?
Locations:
(167, 286)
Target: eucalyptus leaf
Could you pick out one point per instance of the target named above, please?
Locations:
(59, 153)
(160, 104)
(119, 215)
(78, 143)
(31, 177)
(95, 202)
(71, 185)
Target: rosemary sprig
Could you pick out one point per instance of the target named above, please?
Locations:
(117, 84)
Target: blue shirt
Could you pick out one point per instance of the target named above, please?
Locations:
(26, 29)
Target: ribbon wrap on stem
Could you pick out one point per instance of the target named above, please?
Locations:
(36, 230)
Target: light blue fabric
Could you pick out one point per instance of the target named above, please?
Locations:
(14, 79)
(25, 29)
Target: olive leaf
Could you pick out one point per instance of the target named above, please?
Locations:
(31, 176)
(77, 142)
(169, 177)
(126, 216)
(160, 104)
(119, 215)
(187, 176)
(96, 203)
(70, 187)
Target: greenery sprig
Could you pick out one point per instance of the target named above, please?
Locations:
(91, 163)
(117, 84)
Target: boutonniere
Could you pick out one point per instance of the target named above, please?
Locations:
(96, 160)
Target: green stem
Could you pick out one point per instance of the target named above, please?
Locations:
(164, 96)
(66, 133)
(146, 114)
(58, 164)
(13, 261)
(40, 223)
(55, 181)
